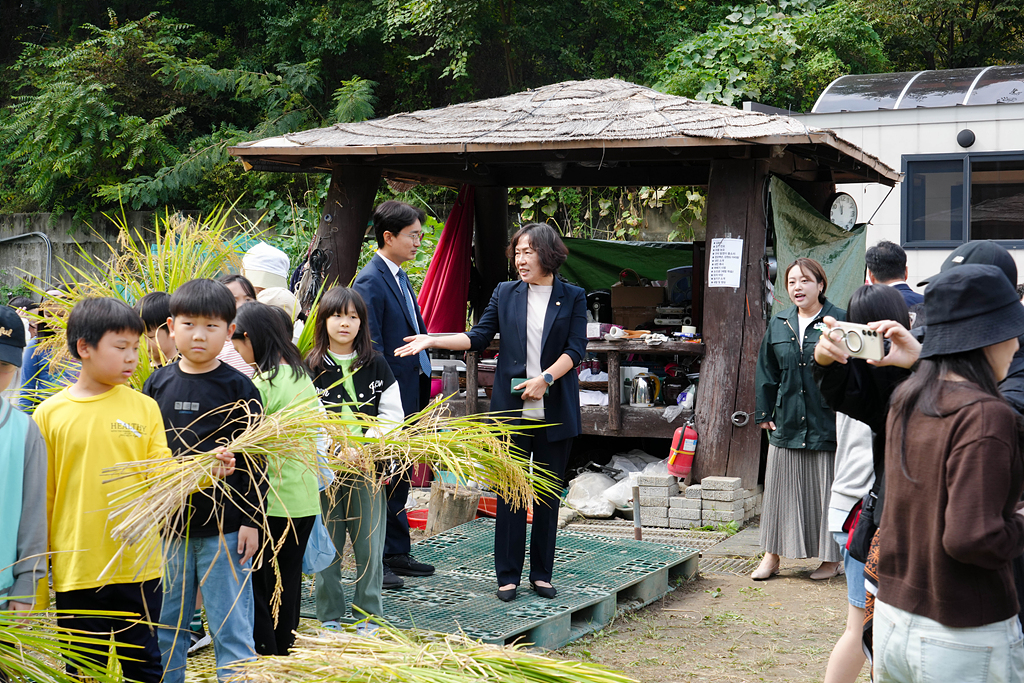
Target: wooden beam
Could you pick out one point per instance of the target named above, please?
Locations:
(733, 326)
(344, 218)
(490, 239)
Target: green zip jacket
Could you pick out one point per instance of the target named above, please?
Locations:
(786, 392)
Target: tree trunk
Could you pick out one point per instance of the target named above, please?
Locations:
(450, 506)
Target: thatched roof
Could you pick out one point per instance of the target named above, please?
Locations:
(575, 115)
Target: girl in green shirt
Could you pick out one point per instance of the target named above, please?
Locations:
(263, 337)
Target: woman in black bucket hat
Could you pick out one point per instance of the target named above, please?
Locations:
(946, 607)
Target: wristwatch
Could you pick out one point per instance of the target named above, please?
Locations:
(548, 379)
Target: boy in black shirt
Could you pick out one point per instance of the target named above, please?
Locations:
(205, 403)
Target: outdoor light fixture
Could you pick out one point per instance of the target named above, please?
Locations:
(965, 138)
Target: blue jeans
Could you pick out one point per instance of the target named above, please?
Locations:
(854, 569)
(909, 647)
(213, 564)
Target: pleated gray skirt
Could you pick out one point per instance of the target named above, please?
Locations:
(794, 511)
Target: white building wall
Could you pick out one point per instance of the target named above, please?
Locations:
(891, 134)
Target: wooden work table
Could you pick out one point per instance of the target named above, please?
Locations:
(614, 419)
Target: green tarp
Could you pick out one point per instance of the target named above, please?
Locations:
(596, 264)
(801, 231)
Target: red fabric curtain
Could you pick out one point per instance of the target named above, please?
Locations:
(445, 289)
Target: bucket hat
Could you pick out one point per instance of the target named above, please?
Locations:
(281, 298)
(12, 336)
(980, 252)
(968, 308)
(266, 266)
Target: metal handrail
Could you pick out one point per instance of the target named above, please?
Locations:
(49, 250)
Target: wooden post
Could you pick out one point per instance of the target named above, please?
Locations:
(491, 238)
(472, 386)
(449, 506)
(344, 218)
(614, 391)
(733, 326)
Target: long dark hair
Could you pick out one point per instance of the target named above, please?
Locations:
(271, 339)
(923, 389)
(871, 303)
(338, 300)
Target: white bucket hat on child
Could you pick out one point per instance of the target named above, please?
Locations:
(281, 298)
(266, 266)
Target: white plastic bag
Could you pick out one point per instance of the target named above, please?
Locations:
(624, 464)
(586, 495)
(620, 494)
(657, 469)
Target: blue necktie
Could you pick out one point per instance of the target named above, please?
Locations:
(403, 280)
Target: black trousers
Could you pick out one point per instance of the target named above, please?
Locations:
(510, 526)
(270, 639)
(396, 538)
(143, 599)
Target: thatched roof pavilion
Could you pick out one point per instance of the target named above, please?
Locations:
(593, 133)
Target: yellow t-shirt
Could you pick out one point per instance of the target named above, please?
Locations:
(83, 437)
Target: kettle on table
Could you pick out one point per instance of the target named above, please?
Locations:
(645, 390)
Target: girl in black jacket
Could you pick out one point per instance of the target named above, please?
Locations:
(350, 375)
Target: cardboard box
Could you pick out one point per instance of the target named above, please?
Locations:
(636, 297)
(633, 318)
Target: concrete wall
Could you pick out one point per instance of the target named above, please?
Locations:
(68, 238)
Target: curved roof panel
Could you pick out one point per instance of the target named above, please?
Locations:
(909, 89)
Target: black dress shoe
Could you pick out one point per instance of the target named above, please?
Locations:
(406, 565)
(391, 580)
(548, 592)
(507, 596)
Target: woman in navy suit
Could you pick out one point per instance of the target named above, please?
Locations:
(543, 324)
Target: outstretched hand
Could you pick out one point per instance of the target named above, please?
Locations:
(417, 343)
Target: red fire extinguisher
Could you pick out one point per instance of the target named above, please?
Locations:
(684, 446)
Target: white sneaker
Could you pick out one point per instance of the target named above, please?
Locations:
(199, 642)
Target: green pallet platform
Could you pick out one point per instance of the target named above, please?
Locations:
(593, 574)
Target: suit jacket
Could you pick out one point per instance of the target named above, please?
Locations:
(910, 296)
(390, 323)
(565, 331)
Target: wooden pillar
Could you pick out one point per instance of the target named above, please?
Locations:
(733, 326)
(344, 219)
(490, 240)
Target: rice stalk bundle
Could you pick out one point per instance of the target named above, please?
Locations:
(181, 249)
(475, 447)
(33, 648)
(394, 656)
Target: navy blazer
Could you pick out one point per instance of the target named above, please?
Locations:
(565, 331)
(390, 323)
(910, 296)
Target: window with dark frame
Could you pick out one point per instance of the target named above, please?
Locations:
(952, 198)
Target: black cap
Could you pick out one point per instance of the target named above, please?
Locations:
(968, 308)
(980, 252)
(12, 336)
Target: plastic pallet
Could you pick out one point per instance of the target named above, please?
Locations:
(595, 576)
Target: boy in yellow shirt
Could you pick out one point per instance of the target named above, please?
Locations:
(94, 424)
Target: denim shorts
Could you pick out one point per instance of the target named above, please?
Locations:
(854, 572)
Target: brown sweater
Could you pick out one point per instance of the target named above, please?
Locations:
(947, 537)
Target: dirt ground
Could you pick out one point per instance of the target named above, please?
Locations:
(724, 627)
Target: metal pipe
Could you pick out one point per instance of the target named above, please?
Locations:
(49, 250)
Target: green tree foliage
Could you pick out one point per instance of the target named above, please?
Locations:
(948, 34)
(781, 54)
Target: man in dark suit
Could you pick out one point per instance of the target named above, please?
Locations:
(394, 315)
(887, 265)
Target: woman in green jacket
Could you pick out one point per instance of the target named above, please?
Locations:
(801, 430)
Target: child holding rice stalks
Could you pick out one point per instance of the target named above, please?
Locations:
(263, 338)
(349, 374)
(96, 423)
(205, 403)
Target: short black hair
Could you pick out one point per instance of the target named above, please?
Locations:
(887, 261)
(545, 240)
(871, 303)
(1020, 291)
(22, 302)
(90, 319)
(154, 309)
(204, 297)
(392, 216)
(247, 286)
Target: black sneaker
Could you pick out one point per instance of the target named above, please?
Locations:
(406, 565)
(391, 580)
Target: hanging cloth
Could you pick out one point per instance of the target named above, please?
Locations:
(445, 288)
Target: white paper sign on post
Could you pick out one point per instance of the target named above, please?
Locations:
(725, 262)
